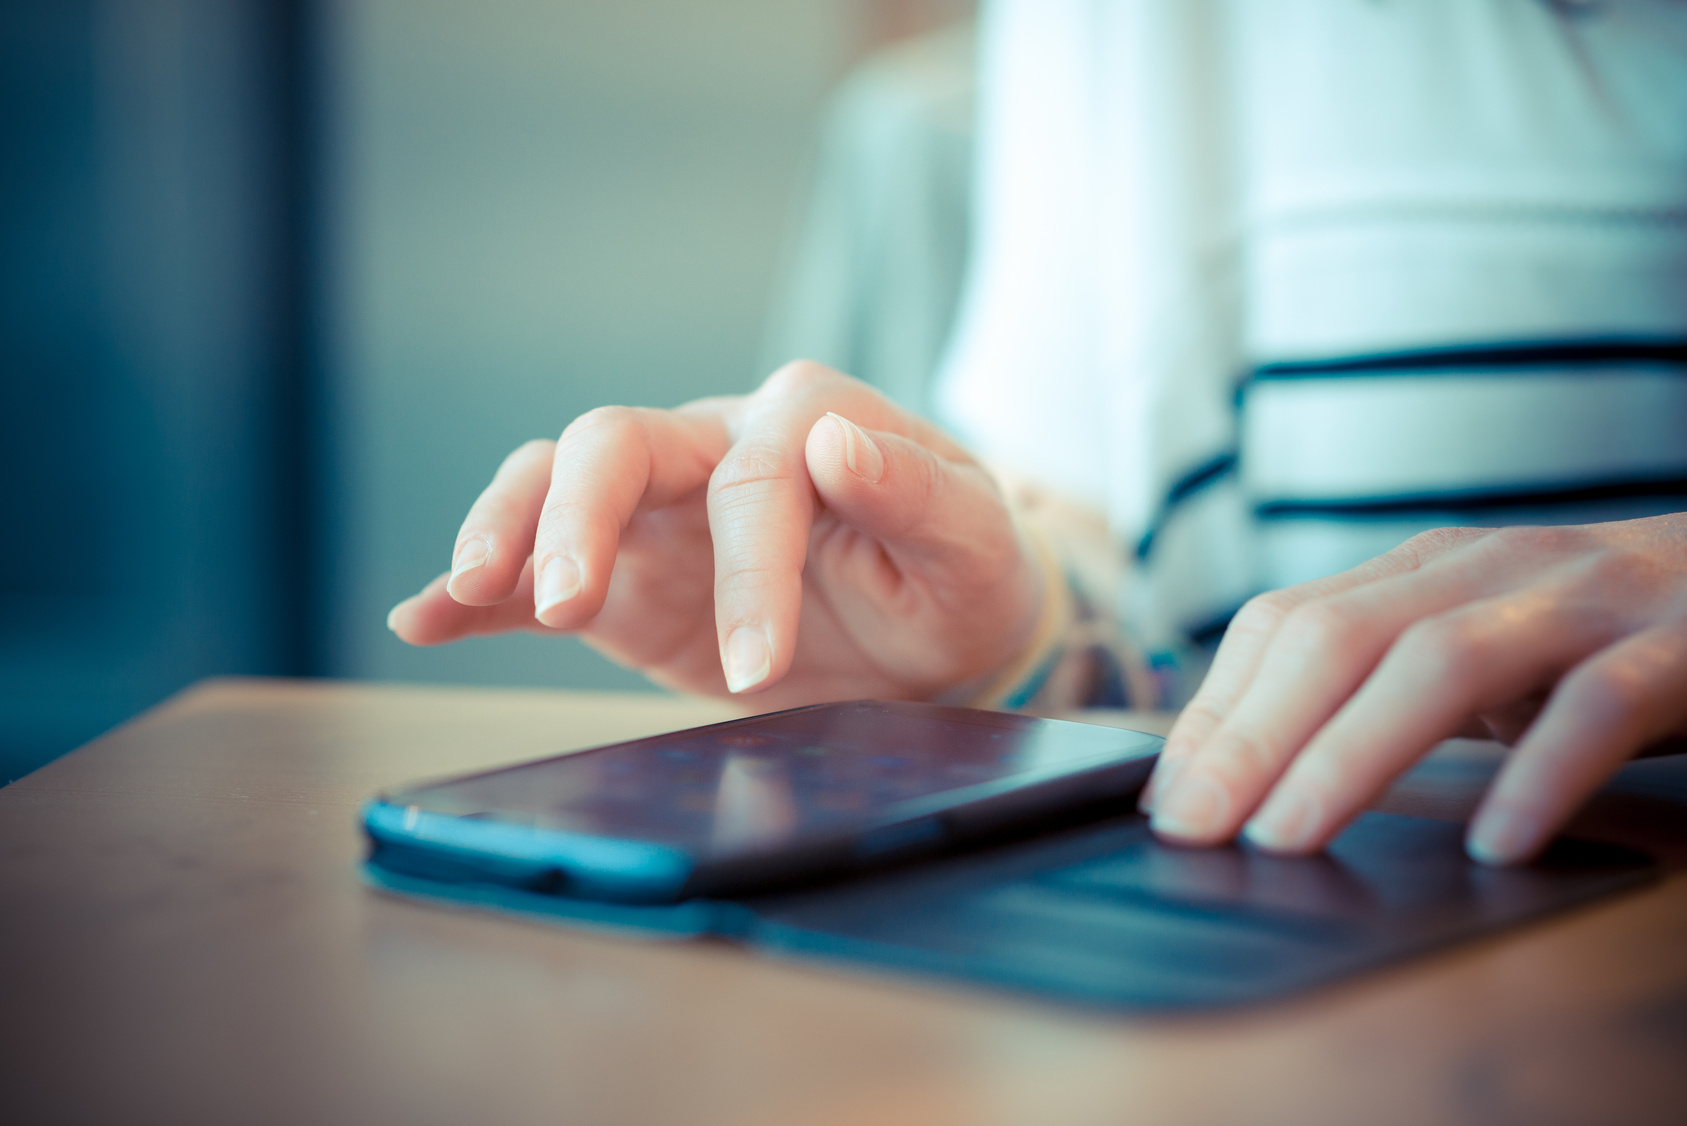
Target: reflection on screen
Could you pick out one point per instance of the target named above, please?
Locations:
(746, 788)
(754, 806)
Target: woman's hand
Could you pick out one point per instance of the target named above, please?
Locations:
(1570, 641)
(810, 540)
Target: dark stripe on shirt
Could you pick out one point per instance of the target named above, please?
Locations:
(1210, 631)
(1513, 355)
(1182, 489)
(1496, 358)
(1471, 500)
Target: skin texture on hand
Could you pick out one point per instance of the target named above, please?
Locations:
(1570, 642)
(811, 541)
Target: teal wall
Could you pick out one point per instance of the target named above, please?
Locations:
(282, 280)
(537, 209)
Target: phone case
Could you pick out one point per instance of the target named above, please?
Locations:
(1104, 915)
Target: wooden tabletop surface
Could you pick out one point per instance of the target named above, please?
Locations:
(184, 939)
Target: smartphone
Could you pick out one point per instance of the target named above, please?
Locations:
(755, 803)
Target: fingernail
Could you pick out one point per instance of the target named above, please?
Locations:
(1159, 782)
(1502, 838)
(559, 582)
(1284, 825)
(748, 659)
(392, 616)
(861, 454)
(1193, 809)
(470, 555)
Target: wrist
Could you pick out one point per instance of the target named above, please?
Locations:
(1076, 656)
(1022, 678)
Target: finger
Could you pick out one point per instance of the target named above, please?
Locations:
(1321, 651)
(433, 617)
(761, 510)
(1242, 652)
(1233, 667)
(919, 530)
(941, 517)
(1604, 712)
(497, 535)
(1442, 671)
(610, 464)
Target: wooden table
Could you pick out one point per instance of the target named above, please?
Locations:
(184, 939)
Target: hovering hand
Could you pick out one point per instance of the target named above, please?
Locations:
(810, 540)
(1572, 641)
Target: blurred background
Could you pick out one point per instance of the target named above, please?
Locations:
(281, 281)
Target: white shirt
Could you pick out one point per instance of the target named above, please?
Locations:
(1278, 283)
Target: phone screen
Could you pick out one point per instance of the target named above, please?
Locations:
(755, 785)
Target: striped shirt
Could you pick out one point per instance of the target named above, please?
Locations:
(1279, 283)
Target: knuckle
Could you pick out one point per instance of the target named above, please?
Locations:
(1321, 624)
(1619, 570)
(532, 448)
(1427, 545)
(742, 565)
(1610, 688)
(1436, 540)
(1204, 712)
(615, 420)
(1263, 613)
(749, 470)
(551, 517)
(1533, 540)
(1447, 644)
(797, 377)
(529, 452)
(1517, 538)
(1245, 753)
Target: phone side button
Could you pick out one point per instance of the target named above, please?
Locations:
(903, 836)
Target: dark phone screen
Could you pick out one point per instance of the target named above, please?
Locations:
(754, 785)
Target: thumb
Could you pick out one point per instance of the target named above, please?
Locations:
(941, 517)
